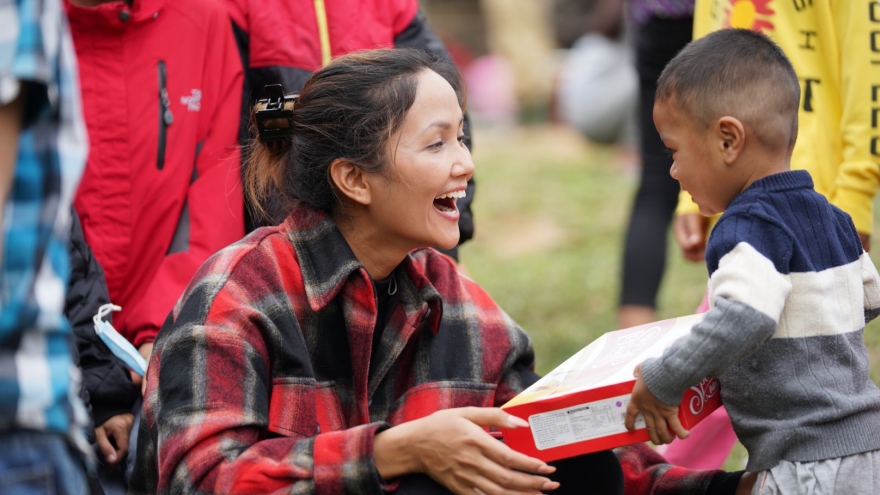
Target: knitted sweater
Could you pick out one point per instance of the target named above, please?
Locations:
(791, 290)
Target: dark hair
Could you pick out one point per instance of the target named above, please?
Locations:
(740, 73)
(348, 109)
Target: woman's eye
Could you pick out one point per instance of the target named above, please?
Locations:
(437, 145)
(669, 152)
(463, 139)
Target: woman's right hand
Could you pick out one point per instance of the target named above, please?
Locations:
(452, 447)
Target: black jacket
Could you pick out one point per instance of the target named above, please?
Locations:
(107, 386)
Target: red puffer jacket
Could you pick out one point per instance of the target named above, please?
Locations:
(286, 40)
(161, 84)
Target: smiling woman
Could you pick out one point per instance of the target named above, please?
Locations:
(336, 353)
(330, 353)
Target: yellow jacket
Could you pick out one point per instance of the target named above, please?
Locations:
(834, 46)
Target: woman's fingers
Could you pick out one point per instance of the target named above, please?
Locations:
(495, 479)
(502, 455)
(492, 416)
(497, 451)
(454, 449)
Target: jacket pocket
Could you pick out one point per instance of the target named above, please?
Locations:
(292, 407)
(166, 118)
(329, 408)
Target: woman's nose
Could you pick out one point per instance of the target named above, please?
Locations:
(673, 171)
(464, 164)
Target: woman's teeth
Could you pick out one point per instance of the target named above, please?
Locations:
(444, 208)
(453, 194)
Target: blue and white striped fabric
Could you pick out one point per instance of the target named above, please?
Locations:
(38, 381)
(792, 290)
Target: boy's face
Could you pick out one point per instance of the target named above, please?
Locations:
(698, 164)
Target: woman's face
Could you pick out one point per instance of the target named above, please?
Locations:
(414, 204)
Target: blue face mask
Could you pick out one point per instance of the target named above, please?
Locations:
(117, 344)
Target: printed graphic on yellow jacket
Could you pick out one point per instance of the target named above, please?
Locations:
(749, 14)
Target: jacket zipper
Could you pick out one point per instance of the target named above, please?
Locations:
(323, 32)
(165, 115)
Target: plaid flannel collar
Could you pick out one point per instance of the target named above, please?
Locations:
(328, 263)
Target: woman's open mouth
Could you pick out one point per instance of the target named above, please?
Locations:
(446, 202)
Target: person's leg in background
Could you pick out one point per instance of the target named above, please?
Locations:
(644, 257)
(33, 462)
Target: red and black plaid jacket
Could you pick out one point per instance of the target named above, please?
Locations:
(263, 369)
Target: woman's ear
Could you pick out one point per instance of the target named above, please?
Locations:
(349, 180)
(732, 138)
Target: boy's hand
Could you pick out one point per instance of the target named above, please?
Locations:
(690, 232)
(659, 417)
(112, 437)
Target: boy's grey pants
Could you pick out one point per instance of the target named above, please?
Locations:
(857, 474)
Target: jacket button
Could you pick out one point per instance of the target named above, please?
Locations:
(124, 15)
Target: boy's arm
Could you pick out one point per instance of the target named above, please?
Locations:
(749, 284)
(859, 175)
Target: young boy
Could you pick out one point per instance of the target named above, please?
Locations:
(790, 286)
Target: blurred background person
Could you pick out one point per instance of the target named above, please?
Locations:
(520, 31)
(661, 30)
(43, 149)
(110, 390)
(596, 84)
(161, 191)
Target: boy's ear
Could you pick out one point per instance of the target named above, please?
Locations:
(732, 137)
(349, 180)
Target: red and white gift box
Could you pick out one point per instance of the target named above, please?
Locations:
(579, 407)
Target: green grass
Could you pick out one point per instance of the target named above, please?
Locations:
(550, 213)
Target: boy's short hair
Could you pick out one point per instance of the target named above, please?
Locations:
(740, 73)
